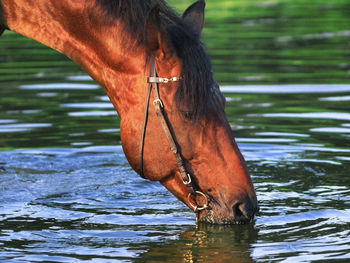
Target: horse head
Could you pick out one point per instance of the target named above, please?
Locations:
(222, 192)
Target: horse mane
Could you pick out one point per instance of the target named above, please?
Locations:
(197, 96)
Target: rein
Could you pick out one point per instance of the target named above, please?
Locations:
(153, 86)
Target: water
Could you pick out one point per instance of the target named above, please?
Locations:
(67, 193)
(76, 199)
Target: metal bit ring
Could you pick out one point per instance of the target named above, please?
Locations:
(196, 207)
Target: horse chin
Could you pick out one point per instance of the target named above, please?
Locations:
(209, 217)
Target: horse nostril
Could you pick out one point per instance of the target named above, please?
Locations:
(237, 213)
(242, 213)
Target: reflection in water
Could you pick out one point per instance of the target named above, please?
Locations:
(60, 86)
(331, 130)
(312, 115)
(22, 127)
(207, 243)
(289, 89)
(338, 98)
(88, 105)
(92, 113)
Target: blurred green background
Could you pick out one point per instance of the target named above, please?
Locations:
(278, 41)
(249, 41)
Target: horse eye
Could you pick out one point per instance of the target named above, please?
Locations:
(188, 115)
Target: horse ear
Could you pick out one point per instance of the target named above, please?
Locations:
(194, 16)
(154, 34)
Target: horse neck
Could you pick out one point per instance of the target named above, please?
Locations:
(76, 29)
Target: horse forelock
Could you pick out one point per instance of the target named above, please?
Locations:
(195, 96)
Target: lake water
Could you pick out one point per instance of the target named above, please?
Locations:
(67, 193)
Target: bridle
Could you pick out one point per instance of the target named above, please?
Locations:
(153, 86)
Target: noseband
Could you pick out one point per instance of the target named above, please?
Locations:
(153, 86)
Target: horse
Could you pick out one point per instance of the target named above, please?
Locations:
(135, 48)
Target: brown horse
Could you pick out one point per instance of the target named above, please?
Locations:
(116, 42)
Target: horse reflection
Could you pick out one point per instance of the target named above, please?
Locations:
(207, 243)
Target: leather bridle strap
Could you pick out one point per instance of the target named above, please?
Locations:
(153, 81)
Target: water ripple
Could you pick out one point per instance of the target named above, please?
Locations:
(287, 89)
(311, 115)
(92, 113)
(20, 127)
(88, 105)
(59, 86)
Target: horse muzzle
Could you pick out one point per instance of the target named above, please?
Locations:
(237, 212)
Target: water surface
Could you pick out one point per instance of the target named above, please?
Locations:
(67, 193)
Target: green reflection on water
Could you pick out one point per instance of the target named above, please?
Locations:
(280, 41)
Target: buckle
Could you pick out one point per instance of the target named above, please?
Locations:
(159, 102)
(189, 180)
